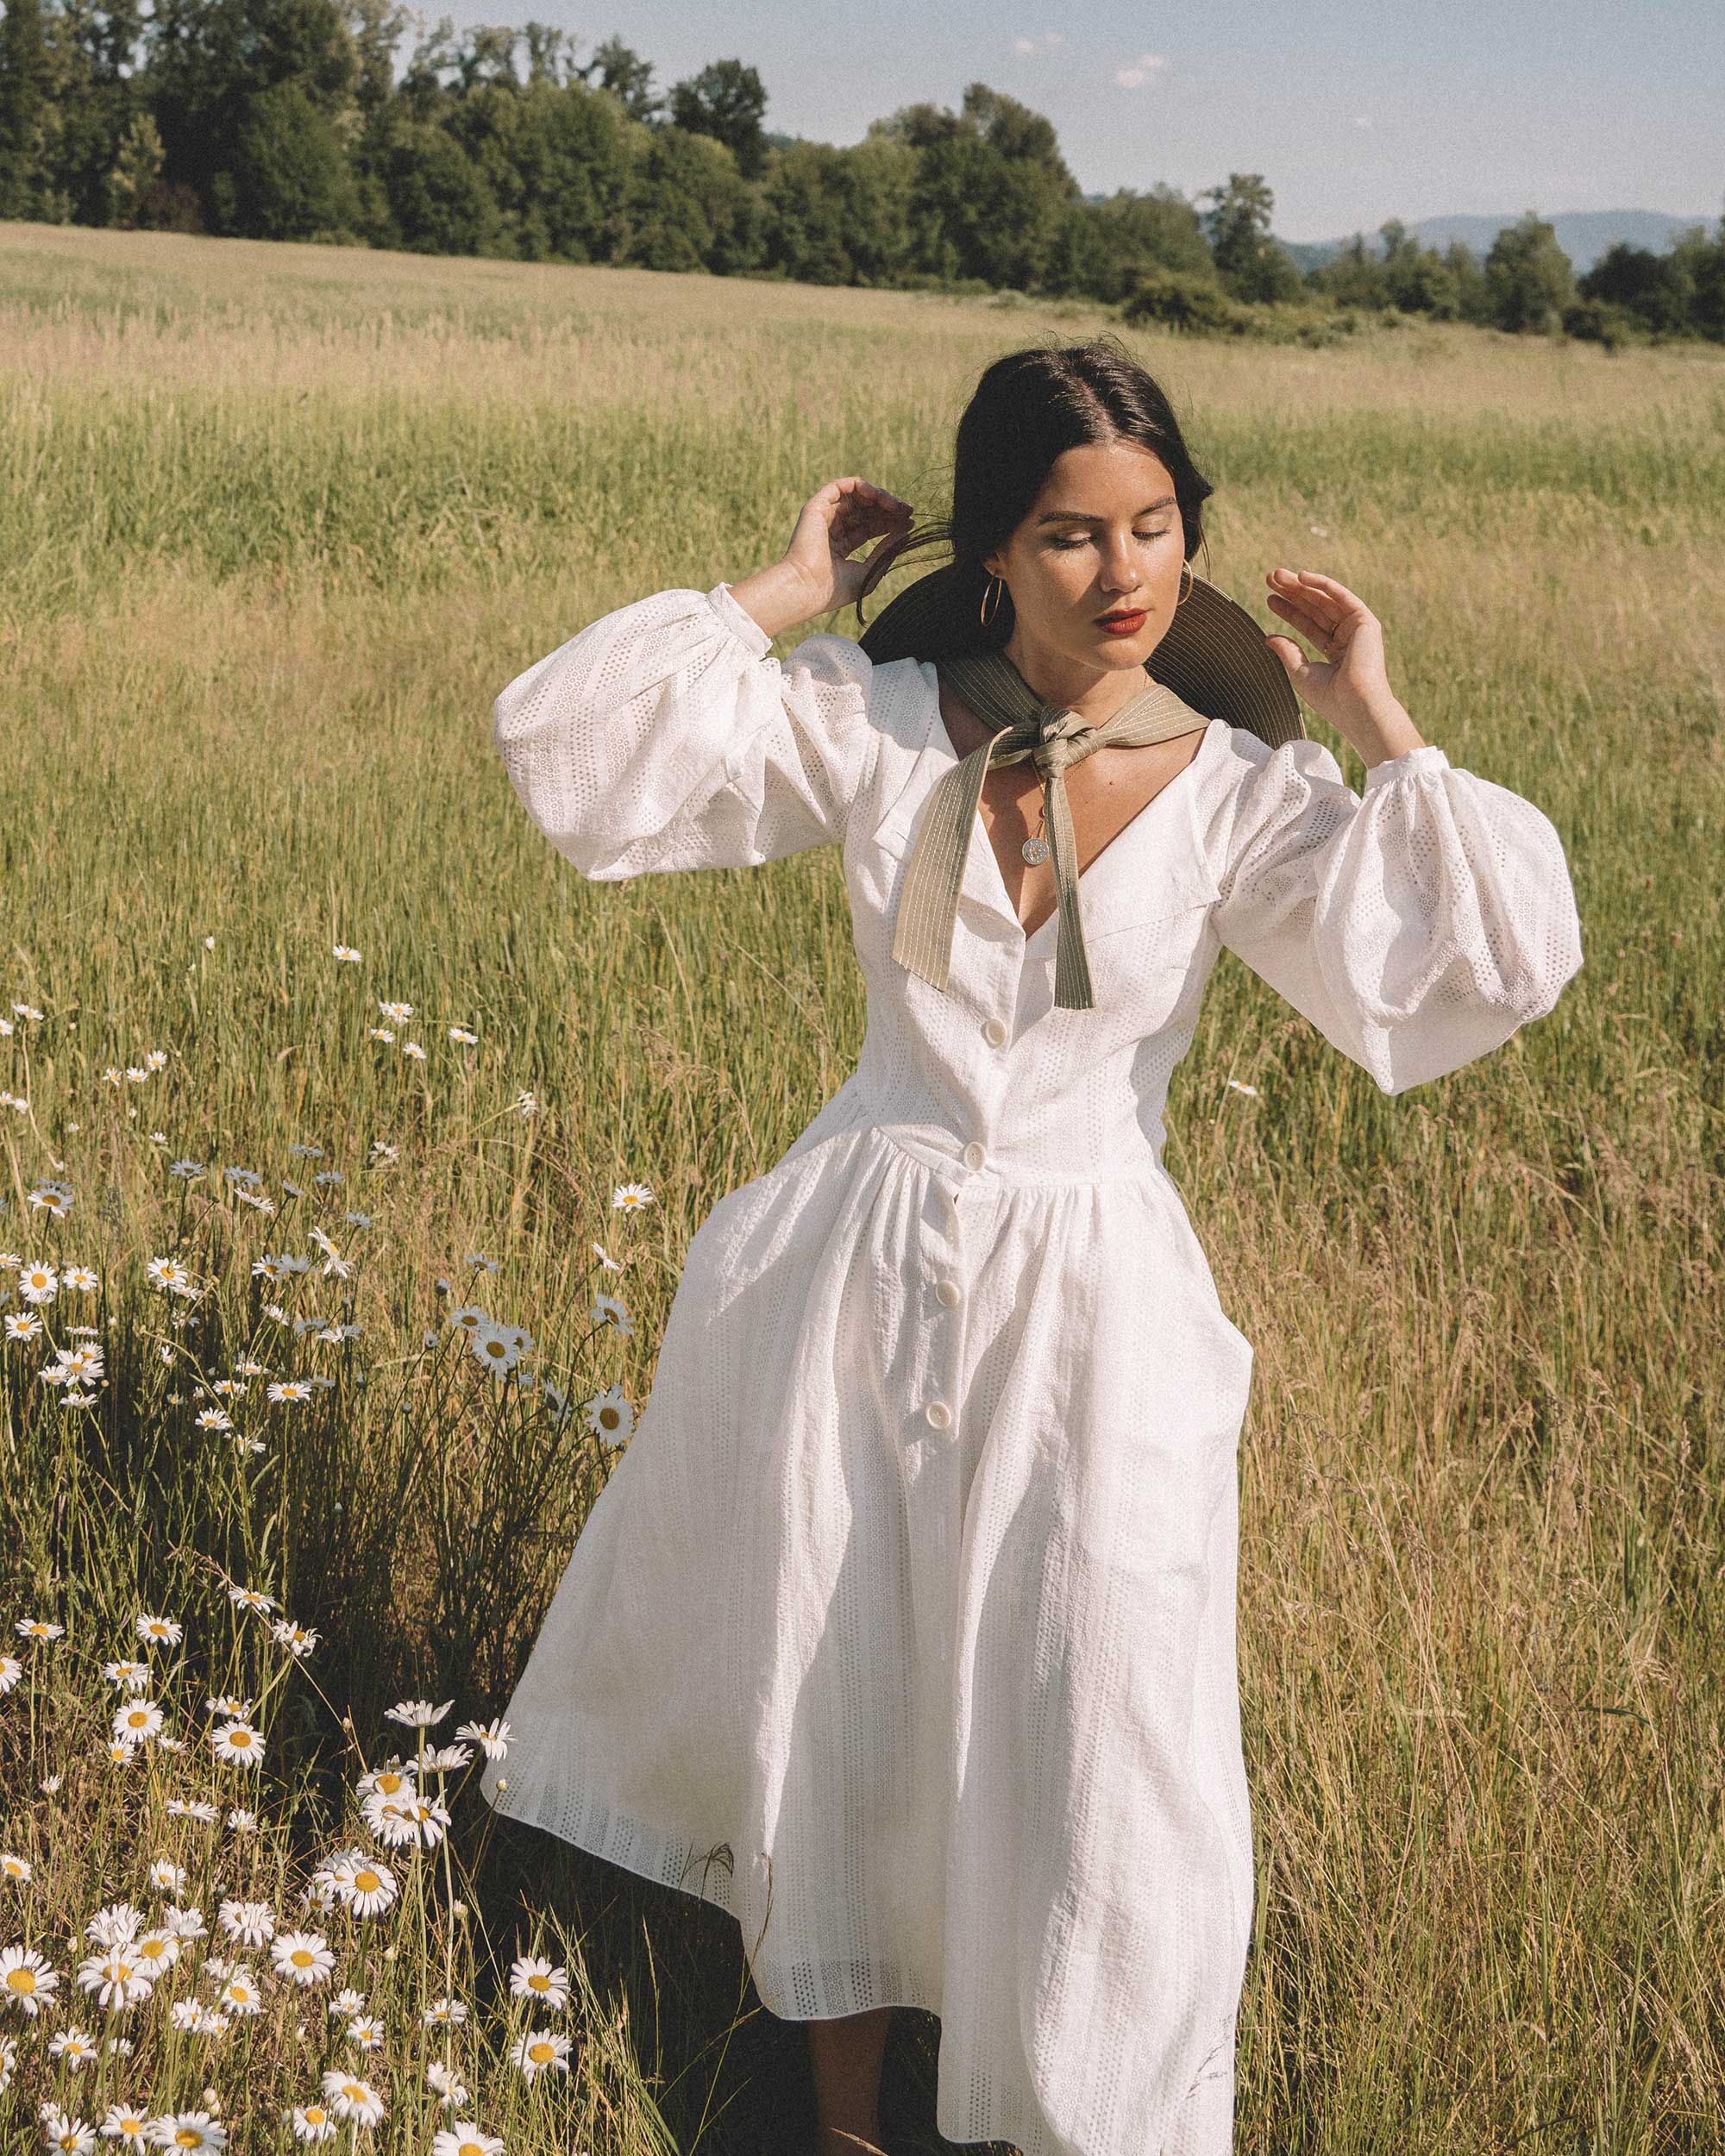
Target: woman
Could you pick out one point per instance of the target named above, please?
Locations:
(904, 1629)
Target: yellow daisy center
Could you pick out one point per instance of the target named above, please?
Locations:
(541, 2054)
(188, 2137)
(302, 1958)
(469, 2149)
(316, 2114)
(239, 1738)
(538, 1984)
(389, 1783)
(22, 1979)
(367, 1882)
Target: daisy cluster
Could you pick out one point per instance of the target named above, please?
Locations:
(346, 1968)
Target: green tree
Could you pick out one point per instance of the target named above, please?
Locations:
(617, 67)
(209, 59)
(25, 108)
(1654, 288)
(727, 100)
(1353, 276)
(1250, 263)
(437, 196)
(1106, 247)
(132, 178)
(1418, 279)
(289, 170)
(1529, 277)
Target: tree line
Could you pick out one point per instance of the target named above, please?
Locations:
(303, 120)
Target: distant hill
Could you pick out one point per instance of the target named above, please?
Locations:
(1583, 234)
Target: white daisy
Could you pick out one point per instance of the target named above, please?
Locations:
(42, 1628)
(189, 2130)
(37, 1282)
(22, 1325)
(26, 1979)
(10, 1670)
(493, 1348)
(467, 1039)
(252, 1923)
(168, 1274)
(545, 1982)
(137, 1720)
(116, 1978)
(126, 2124)
(351, 2098)
(445, 2014)
(404, 1822)
(240, 1994)
(491, 1737)
(465, 2139)
(416, 1714)
(155, 1952)
(75, 2045)
(610, 1416)
(250, 1598)
(166, 1876)
(366, 2035)
(16, 1869)
(76, 2137)
(117, 1924)
(238, 1744)
(609, 1310)
(366, 1884)
(348, 954)
(303, 1958)
(158, 1632)
(80, 1277)
(540, 2051)
(313, 2123)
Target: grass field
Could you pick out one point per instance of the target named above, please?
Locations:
(279, 524)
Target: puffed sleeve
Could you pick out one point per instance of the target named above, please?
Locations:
(1417, 925)
(664, 735)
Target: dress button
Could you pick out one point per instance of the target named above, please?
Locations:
(937, 1414)
(994, 1033)
(974, 1155)
(948, 1291)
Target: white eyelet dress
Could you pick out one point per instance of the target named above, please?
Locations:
(904, 1627)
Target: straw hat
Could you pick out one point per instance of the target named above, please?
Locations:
(1212, 655)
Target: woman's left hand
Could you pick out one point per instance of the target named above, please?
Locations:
(1350, 687)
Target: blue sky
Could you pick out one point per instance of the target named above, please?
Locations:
(1353, 112)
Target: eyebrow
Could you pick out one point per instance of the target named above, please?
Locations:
(1083, 516)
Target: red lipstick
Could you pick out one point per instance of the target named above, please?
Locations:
(1123, 624)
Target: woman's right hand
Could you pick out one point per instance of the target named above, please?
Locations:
(832, 525)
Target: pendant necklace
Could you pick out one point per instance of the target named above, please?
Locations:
(1035, 848)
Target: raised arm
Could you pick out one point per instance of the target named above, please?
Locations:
(665, 736)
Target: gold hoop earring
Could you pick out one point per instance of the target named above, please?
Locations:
(1192, 575)
(985, 615)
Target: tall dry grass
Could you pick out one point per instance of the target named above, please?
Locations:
(281, 521)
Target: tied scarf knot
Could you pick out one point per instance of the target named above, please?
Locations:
(1054, 737)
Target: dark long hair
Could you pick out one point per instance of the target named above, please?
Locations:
(1029, 407)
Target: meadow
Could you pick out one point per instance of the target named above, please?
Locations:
(352, 1144)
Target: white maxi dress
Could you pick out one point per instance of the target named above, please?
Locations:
(903, 1629)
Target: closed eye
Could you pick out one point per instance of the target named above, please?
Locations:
(1065, 546)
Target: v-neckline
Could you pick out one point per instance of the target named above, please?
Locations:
(1029, 936)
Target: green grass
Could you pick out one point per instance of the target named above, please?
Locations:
(279, 523)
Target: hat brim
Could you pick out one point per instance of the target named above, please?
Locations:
(1213, 653)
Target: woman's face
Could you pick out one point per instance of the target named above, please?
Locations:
(1103, 538)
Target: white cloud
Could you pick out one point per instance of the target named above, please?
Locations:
(1135, 76)
(1029, 47)
(1362, 119)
